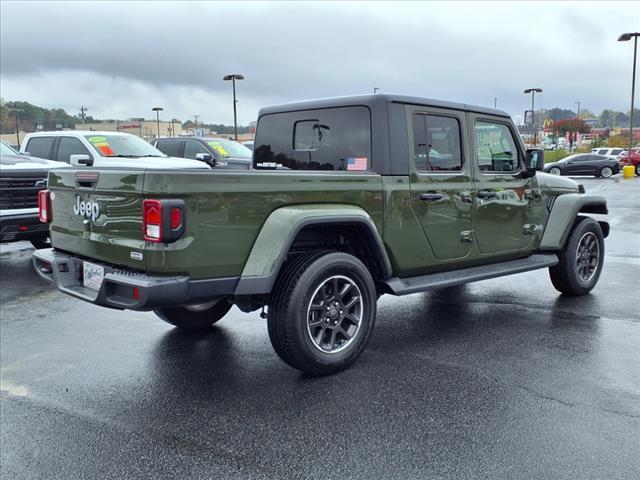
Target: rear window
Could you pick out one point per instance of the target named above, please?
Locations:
(616, 151)
(324, 139)
(171, 148)
(40, 147)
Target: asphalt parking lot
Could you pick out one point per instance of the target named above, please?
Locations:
(500, 379)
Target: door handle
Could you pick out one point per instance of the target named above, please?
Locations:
(431, 197)
(487, 194)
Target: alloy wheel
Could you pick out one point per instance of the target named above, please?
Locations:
(587, 257)
(335, 313)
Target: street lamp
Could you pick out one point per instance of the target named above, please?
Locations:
(575, 142)
(625, 37)
(233, 77)
(157, 110)
(533, 92)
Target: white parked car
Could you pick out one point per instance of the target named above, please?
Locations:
(608, 152)
(101, 149)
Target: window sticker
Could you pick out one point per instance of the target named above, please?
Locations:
(219, 148)
(101, 144)
(357, 163)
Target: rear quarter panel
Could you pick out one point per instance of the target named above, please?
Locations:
(225, 211)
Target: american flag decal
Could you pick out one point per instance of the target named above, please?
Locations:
(357, 163)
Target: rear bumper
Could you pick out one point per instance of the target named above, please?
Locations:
(126, 289)
(24, 226)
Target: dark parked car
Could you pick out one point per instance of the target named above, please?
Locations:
(217, 152)
(584, 164)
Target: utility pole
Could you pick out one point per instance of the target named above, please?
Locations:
(83, 110)
(17, 113)
(577, 120)
(495, 102)
(625, 37)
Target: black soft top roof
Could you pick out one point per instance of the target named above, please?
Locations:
(376, 100)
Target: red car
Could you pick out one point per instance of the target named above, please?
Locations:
(635, 160)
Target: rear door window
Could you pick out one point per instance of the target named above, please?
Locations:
(40, 147)
(70, 146)
(170, 147)
(436, 143)
(332, 139)
(616, 151)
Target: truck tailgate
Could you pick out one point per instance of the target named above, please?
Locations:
(98, 214)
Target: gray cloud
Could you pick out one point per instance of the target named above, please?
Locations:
(121, 58)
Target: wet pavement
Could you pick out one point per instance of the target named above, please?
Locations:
(499, 379)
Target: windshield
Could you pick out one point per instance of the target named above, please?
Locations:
(7, 150)
(122, 146)
(230, 148)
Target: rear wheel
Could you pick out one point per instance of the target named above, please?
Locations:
(322, 312)
(606, 172)
(195, 317)
(638, 169)
(581, 259)
(555, 171)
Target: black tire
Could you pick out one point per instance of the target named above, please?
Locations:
(39, 243)
(292, 307)
(195, 317)
(575, 274)
(606, 172)
(555, 171)
(638, 169)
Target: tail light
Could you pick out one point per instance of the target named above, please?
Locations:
(44, 206)
(163, 221)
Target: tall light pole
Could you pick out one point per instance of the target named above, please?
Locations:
(233, 77)
(17, 113)
(533, 92)
(495, 102)
(157, 110)
(575, 142)
(625, 37)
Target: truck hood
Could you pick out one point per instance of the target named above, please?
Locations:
(26, 162)
(149, 163)
(556, 183)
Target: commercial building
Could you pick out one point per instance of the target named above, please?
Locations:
(147, 129)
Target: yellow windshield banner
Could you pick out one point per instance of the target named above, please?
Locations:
(219, 148)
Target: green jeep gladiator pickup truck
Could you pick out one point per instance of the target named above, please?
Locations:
(348, 199)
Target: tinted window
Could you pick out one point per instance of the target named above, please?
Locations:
(40, 147)
(583, 158)
(171, 148)
(495, 148)
(603, 151)
(327, 139)
(616, 151)
(192, 147)
(436, 143)
(70, 146)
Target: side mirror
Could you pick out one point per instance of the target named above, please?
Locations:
(81, 160)
(206, 157)
(535, 159)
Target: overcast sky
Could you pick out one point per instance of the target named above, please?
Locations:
(122, 59)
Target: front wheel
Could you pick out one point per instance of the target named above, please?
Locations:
(322, 312)
(195, 317)
(606, 172)
(555, 171)
(581, 259)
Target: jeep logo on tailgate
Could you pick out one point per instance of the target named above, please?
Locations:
(86, 209)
